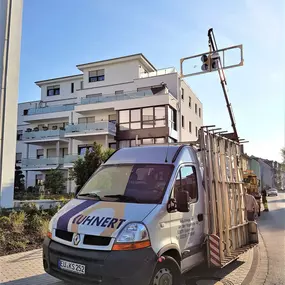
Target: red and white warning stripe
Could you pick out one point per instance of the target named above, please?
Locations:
(214, 244)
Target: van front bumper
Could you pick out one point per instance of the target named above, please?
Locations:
(102, 267)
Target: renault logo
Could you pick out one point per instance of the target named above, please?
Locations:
(76, 239)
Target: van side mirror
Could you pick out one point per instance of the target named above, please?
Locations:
(182, 201)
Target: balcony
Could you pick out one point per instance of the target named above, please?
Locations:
(97, 128)
(41, 163)
(111, 98)
(158, 72)
(48, 113)
(46, 163)
(52, 109)
(43, 136)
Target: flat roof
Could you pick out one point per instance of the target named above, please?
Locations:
(75, 76)
(79, 66)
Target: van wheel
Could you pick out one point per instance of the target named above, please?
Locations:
(166, 272)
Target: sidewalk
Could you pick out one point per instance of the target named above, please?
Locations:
(250, 269)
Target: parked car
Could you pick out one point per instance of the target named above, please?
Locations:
(272, 192)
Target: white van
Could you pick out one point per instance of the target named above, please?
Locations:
(142, 218)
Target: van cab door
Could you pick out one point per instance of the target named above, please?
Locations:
(187, 229)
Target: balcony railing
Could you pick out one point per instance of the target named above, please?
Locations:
(158, 72)
(52, 109)
(107, 98)
(46, 162)
(42, 162)
(40, 135)
(90, 128)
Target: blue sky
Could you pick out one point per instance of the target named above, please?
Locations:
(57, 35)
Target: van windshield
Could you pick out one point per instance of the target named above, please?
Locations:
(140, 183)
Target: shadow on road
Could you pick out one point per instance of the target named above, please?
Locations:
(276, 200)
(203, 272)
(35, 280)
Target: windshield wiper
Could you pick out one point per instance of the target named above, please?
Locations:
(123, 198)
(93, 195)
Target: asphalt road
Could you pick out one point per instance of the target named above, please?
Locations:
(272, 227)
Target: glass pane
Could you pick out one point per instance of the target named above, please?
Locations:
(135, 126)
(82, 121)
(147, 125)
(147, 114)
(160, 123)
(159, 113)
(124, 144)
(133, 142)
(189, 182)
(124, 116)
(124, 127)
(100, 72)
(148, 141)
(113, 117)
(159, 140)
(91, 120)
(92, 73)
(146, 183)
(135, 115)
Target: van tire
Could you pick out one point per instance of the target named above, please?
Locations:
(166, 269)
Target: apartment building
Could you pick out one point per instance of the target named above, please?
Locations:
(119, 102)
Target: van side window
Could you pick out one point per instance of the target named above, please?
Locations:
(186, 180)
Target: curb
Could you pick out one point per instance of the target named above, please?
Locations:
(259, 272)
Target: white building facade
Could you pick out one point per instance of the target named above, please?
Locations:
(120, 102)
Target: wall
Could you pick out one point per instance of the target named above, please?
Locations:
(114, 73)
(65, 89)
(9, 75)
(266, 174)
(189, 114)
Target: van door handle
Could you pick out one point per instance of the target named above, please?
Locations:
(200, 217)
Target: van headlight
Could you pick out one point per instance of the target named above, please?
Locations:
(133, 236)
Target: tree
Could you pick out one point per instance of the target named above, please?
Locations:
(55, 181)
(84, 168)
(19, 182)
(283, 158)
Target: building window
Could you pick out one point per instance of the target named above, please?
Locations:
(200, 112)
(97, 75)
(39, 179)
(18, 157)
(53, 90)
(19, 135)
(159, 140)
(196, 131)
(97, 95)
(113, 145)
(86, 120)
(40, 153)
(112, 118)
(195, 108)
(172, 117)
(119, 92)
(186, 180)
(83, 149)
(147, 117)
(148, 141)
(25, 112)
(81, 84)
(182, 93)
(190, 103)
(190, 127)
(182, 121)
(72, 87)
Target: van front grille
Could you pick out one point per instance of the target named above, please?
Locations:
(96, 240)
(64, 235)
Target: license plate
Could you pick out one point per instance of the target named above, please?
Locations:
(71, 266)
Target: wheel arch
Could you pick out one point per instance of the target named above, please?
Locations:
(171, 250)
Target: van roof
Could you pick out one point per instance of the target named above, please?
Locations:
(145, 154)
